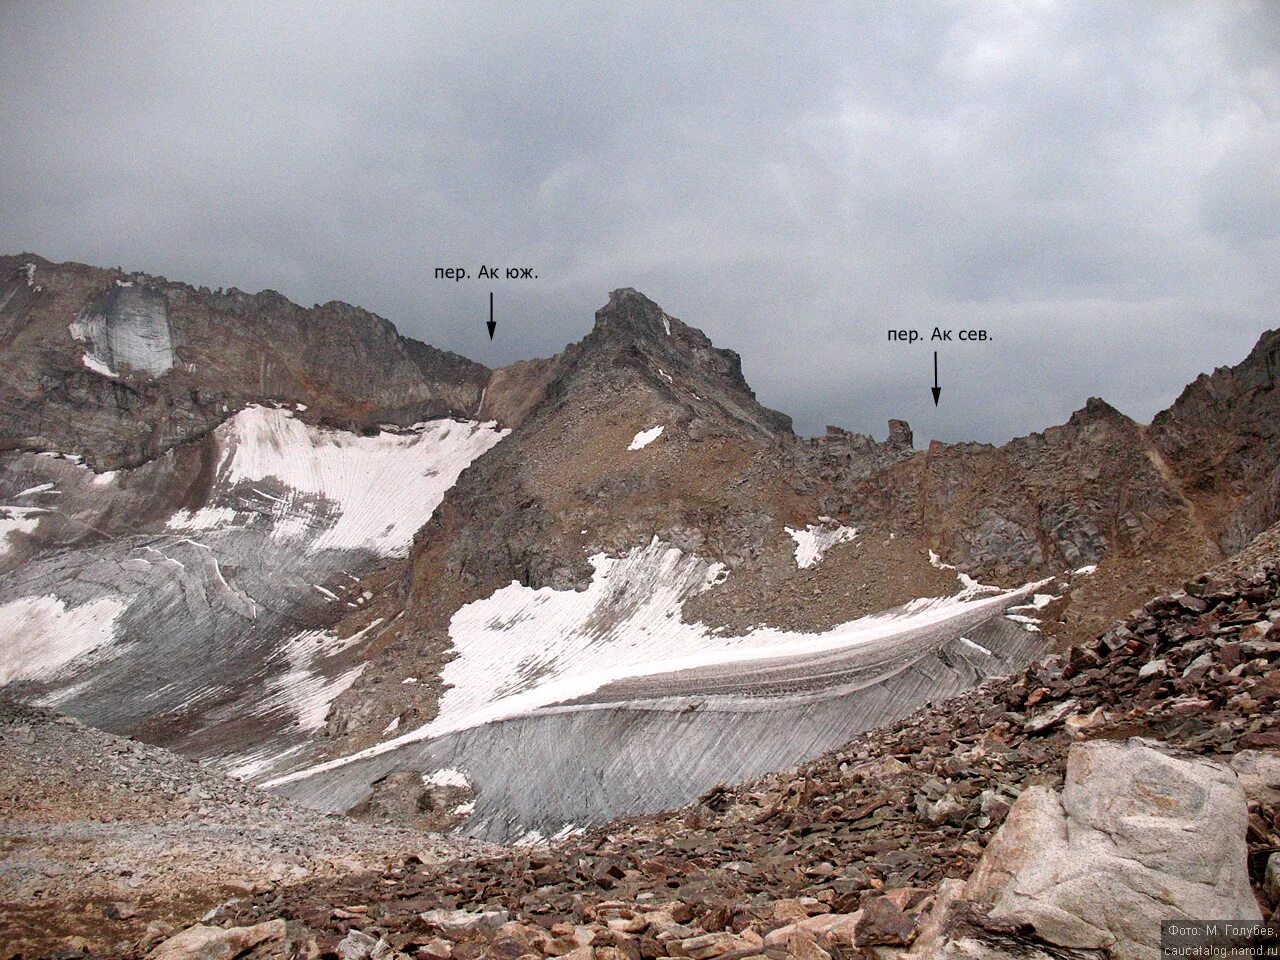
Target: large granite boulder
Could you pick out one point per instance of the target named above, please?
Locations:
(263, 941)
(1139, 836)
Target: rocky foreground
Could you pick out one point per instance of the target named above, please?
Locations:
(1064, 812)
(107, 844)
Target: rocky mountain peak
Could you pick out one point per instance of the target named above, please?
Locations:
(900, 435)
(1095, 410)
(629, 313)
(633, 332)
(1222, 435)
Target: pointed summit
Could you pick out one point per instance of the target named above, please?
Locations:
(630, 312)
(633, 332)
(1096, 409)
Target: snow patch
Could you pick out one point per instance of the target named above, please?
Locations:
(969, 587)
(97, 366)
(206, 518)
(448, 777)
(42, 634)
(248, 766)
(1030, 624)
(311, 684)
(1085, 570)
(1038, 602)
(976, 646)
(341, 490)
(308, 693)
(59, 455)
(645, 437)
(42, 488)
(816, 539)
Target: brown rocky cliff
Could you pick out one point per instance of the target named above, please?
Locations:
(1093, 491)
(1221, 439)
(1150, 505)
(208, 353)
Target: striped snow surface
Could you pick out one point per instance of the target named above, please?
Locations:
(816, 539)
(340, 490)
(321, 488)
(307, 688)
(304, 691)
(521, 649)
(40, 635)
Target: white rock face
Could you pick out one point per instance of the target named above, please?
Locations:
(203, 942)
(1259, 773)
(1138, 837)
(130, 335)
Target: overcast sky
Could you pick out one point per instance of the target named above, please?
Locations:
(1098, 185)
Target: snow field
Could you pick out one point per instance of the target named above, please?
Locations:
(40, 635)
(522, 649)
(357, 492)
(645, 437)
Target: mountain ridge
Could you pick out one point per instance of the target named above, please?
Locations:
(640, 438)
(204, 355)
(644, 322)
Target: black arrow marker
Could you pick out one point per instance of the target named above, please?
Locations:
(937, 390)
(493, 324)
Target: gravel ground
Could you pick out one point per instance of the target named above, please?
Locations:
(103, 835)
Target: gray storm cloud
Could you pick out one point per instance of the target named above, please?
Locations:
(1095, 184)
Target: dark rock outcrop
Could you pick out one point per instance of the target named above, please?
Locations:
(1221, 438)
(121, 367)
